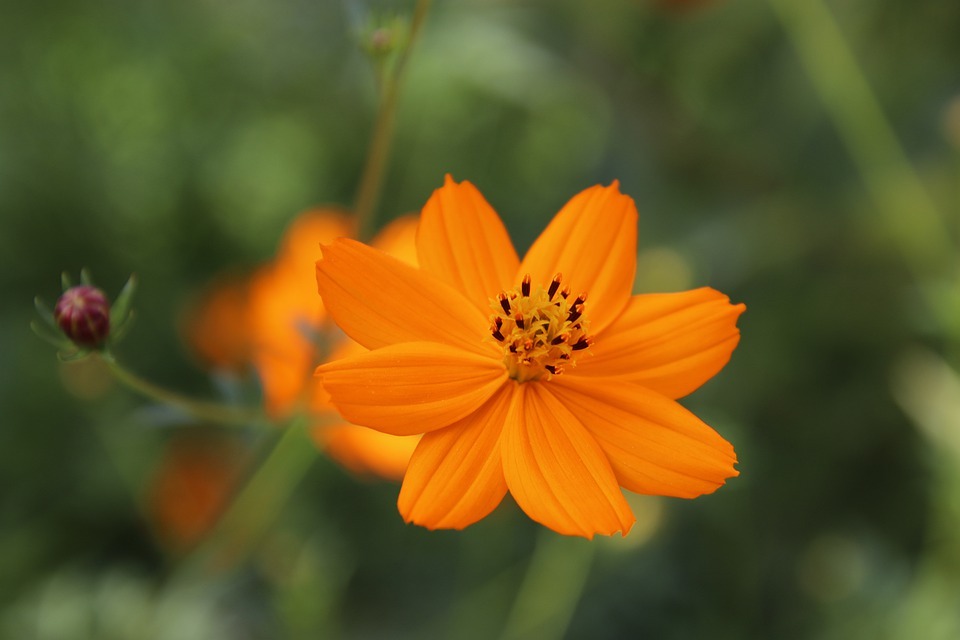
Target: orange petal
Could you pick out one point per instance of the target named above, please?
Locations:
(669, 342)
(592, 242)
(365, 451)
(399, 239)
(654, 444)
(196, 476)
(359, 449)
(285, 313)
(413, 387)
(378, 300)
(462, 241)
(216, 327)
(282, 318)
(300, 247)
(319, 400)
(455, 477)
(556, 471)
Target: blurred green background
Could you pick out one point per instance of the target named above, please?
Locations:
(802, 156)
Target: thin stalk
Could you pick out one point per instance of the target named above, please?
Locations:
(551, 588)
(378, 153)
(909, 213)
(257, 506)
(204, 410)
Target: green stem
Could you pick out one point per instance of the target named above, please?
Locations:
(371, 181)
(257, 506)
(208, 411)
(552, 587)
(910, 214)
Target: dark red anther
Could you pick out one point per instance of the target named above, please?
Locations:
(582, 343)
(504, 302)
(560, 339)
(519, 320)
(554, 286)
(525, 285)
(576, 309)
(552, 369)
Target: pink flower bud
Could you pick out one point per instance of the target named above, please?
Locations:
(83, 314)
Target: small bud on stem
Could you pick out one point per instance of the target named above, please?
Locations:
(83, 314)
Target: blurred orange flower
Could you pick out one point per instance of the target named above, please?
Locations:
(191, 486)
(216, 329)
(274, 322)
(517, 380)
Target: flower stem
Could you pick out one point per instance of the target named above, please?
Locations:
(906, 208)
(204, 410)
(371, 181)
(257, 506)
(552, 587)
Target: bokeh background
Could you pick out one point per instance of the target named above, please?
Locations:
(803, 156)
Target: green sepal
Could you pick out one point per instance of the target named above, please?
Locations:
(85, 278)
(54, 337)
(73, 356)
(117, 333)
(120, 309)
(65, 281)
(45, 313)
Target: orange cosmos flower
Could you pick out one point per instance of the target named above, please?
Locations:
(544, 377)
(216, 329)
(193, 483)
(274, 322)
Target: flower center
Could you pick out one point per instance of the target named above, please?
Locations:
(542, 331)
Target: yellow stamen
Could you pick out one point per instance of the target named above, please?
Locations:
(540, 332)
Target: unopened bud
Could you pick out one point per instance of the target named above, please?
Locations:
(383, 38)
(83, 314)
(380, 41)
